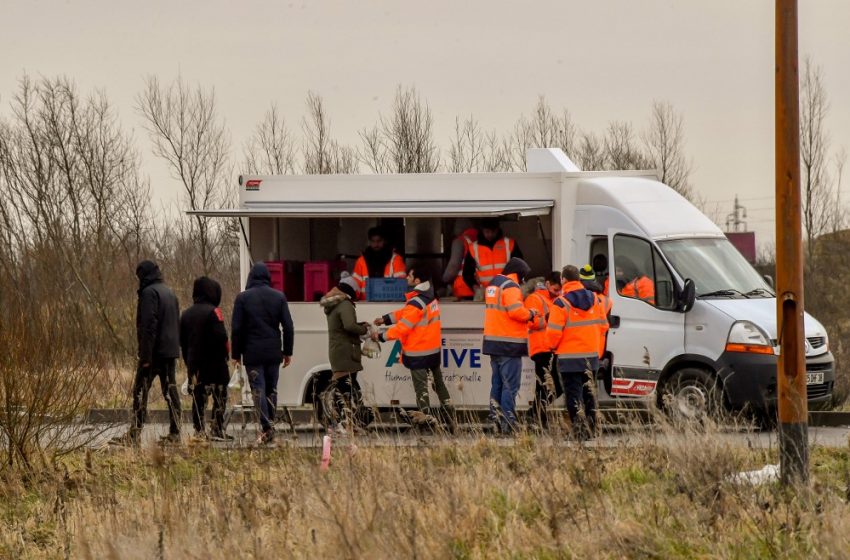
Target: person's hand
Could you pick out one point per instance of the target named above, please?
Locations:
(236, 362)
(376, 336)
(287, 360)
(379, 321)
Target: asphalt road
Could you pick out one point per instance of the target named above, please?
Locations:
(387, 435)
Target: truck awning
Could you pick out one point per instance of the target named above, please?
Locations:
(413, 208)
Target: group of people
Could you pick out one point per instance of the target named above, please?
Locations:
(199, 335)
(561, 325)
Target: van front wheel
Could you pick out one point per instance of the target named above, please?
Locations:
(692, 394)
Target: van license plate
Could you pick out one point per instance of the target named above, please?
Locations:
(814, 377)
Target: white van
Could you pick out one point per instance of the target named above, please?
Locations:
(710, 324)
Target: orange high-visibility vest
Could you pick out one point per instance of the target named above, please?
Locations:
(573, 333)
(393, 269)
(505, 318)
(605, 306)
(540, 301)
(640, 288)
(459, 287)
(490, 262)
(417, 326)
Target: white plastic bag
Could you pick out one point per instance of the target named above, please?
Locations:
(184, 389)
(235, 378)
(370, 348)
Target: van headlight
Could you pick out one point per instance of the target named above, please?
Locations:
(744, 336)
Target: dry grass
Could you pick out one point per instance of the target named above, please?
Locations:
(666, 497)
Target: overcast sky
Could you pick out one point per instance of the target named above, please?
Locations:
(603, 60)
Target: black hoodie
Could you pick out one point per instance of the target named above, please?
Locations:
(157, 316)
(203, 336)
(259, 314)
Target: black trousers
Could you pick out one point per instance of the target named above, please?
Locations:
(543, 397)
(200, 392)
(579, 389)
(164, 369)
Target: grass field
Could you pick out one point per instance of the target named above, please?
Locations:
(535, 498)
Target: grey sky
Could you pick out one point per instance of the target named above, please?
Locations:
(603, 60)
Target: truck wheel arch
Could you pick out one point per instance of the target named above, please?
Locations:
(315, 381)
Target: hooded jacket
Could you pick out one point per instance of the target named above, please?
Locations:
(576, 359)
(157, 316)
(259, 314)
(203, 336)
(344, 332)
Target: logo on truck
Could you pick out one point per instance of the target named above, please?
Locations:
(253, 184)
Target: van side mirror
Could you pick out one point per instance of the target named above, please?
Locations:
(688, 296)
(769, 279)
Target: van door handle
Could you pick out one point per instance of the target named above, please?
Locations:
(614, 321)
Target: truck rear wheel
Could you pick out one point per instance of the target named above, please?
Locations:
(692, 394)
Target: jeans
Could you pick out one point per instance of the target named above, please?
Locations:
(579, 390)
(543, 396)
(504, 386)
(164, 369)
(263, 379)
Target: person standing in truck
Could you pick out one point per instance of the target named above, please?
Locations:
(378, 260)
(260, 314)
(506, 341)
(465, 236)
(417, 327)
(489, 254)
(573, 334)
(548, 385)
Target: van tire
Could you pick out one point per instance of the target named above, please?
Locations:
(692, 394)
(315, 387)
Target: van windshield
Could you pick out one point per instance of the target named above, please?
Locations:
(716, 267)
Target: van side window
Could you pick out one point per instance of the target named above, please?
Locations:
(640, 273)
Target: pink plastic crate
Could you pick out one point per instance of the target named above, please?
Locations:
(287, 277)
(320, 277)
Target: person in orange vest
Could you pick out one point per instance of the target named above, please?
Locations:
(506, 341)
(488, 254)
(573, 334)
(604, 304)
(417, 326)
(379, 260)
(465, 236)
(546, 389)
(632, 283)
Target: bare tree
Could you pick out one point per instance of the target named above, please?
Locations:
(664, 142)
(322, 154)
(621, 149)
(543, 129)
(591, 152)
(189, 136)
(467, 147)
(271, 149)
(404, 141)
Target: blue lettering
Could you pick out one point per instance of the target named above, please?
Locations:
(459, 357)
(475, 358)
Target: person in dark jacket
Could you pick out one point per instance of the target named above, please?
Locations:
(342, 401)
(157, 332)
(259, 314)
(203, 341)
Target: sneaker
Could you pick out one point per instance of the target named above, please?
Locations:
(266, 437)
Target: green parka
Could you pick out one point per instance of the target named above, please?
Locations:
(343, 332)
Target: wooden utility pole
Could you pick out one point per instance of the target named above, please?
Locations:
(791, 370)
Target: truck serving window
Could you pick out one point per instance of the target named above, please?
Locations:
(716, 267)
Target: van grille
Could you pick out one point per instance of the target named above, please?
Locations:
(816, 341)
(817, 391)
